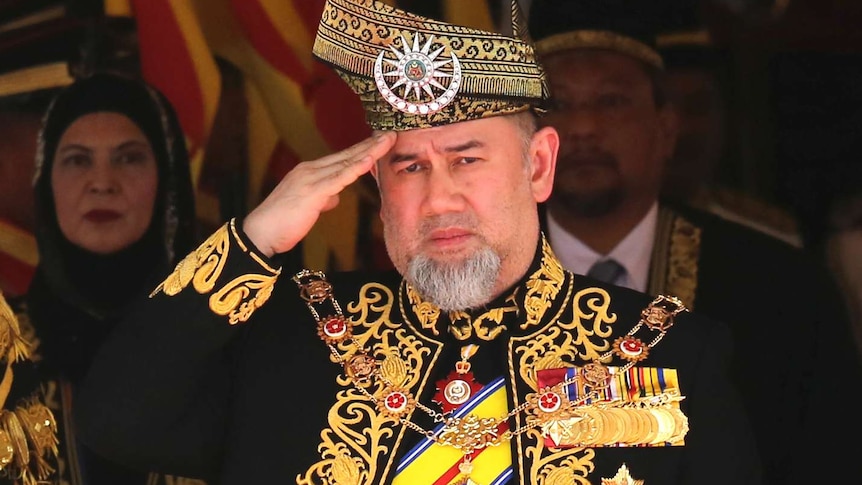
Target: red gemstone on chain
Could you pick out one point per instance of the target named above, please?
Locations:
(632, 346)
(550, 402)
(395, 401)
(335, 327)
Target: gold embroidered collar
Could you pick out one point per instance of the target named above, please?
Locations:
(523, 306)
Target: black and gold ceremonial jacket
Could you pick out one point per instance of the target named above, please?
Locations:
(226, 373)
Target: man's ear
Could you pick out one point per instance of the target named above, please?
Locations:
(544, 148)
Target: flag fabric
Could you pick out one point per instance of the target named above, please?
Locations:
(18, 259)
(176, 59)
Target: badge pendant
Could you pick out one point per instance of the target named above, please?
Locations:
(459, 385)
(465, 467)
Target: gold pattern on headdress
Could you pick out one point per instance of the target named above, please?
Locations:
(599, 39)
(497, 74)
(239, 297)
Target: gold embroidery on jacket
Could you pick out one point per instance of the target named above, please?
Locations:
(486, 326)
(579, 334)
(203, 266)
(355, 448)
(682, 267)
(240, 297)
(543, 286)
(571, 471)
(427, 313)
(675, 256)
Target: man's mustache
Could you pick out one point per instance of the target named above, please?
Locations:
(440, 221)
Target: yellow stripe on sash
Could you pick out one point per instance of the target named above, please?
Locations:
(436, 460)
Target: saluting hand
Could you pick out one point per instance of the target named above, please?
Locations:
(288, 213)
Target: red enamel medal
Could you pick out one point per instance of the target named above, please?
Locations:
(460, 384)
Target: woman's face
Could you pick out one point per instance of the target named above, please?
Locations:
(104, 180)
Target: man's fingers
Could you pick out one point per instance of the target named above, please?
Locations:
(375, 146)
(351, 163)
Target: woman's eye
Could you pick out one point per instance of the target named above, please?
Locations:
(76, 160)
(131, 158)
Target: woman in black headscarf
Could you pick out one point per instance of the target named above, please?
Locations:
(114, 208)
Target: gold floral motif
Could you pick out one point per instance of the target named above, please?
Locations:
(571, 470)
(394, 370)
(486, 326)
(682, 267)
(242, 296)
(427, 313)
(204, 265)
(357, 438)
(337, 467)
(345, 470)
(543, 286)
(579, 334)
(674, 268)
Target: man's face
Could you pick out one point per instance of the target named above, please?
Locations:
(613, 138)
(459, 196)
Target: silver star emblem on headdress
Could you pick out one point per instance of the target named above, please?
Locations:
(419, 75)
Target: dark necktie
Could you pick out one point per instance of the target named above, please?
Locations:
(607, 270)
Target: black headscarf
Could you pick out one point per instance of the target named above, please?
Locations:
(76, 295)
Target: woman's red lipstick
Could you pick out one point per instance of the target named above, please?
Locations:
(102, 215)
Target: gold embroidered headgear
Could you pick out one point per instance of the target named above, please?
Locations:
(414, 72)
(625, 26)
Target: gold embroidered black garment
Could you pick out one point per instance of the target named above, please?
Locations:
(264, 401)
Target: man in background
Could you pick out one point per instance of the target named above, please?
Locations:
(618, 128)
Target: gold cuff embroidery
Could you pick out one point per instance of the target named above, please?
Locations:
(241, 296)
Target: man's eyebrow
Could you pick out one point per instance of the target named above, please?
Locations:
(464, 146)
(409, 157)
(402, 157)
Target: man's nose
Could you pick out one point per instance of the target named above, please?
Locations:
(580, 122)
(443, 192)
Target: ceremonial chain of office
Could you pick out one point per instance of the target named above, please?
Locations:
(470, 433)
